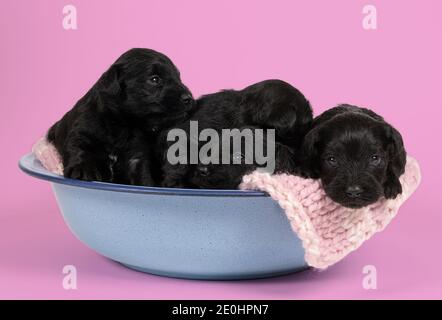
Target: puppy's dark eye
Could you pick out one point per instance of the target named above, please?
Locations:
(375, 159)
(331, 160)
(155, 80)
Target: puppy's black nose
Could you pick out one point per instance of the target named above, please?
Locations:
(354, 191)
(203, 171)
(186, 98)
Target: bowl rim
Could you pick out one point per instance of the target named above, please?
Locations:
(30, 165)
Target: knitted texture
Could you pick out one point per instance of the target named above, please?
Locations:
(48, 156)
(328, 230)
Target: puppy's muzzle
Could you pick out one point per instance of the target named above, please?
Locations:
(187, 99)
(354, 191)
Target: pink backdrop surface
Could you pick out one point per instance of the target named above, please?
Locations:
(318, 46)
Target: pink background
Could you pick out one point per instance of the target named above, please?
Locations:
(318, 46)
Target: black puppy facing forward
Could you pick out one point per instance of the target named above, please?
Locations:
(229, 176)
(270, 104)
(358, 156)
(110, 127)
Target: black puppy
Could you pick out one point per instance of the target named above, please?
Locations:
(358, 156)
(270, 104)
(229, 176)
(101, 137)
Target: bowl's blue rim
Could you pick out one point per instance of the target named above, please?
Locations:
(26, 165)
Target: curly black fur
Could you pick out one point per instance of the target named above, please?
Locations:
(270, 104)
(357, 155)
(107, 132)
(229, 176)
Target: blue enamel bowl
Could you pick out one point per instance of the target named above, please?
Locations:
(183, 233)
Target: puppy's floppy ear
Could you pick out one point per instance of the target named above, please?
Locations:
(109, 87)
(397, 158)
(309, 157)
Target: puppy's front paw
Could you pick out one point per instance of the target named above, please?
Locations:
(392, 188)
(87, 171)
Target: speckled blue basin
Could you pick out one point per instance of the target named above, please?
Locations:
(185, 233)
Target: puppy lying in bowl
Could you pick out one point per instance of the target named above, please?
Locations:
(358, 156)
(273, 157)
(248, 221)
(270, 104)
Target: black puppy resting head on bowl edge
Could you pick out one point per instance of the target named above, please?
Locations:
(356, 154)
(276, 157)
(269, 104)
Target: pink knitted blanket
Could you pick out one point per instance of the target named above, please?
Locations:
(327, 230)
(48, 156)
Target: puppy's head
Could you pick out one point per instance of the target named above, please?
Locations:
(144, 84)
(356, 154)
(278, 105)
(229, 175)
(220, 176)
